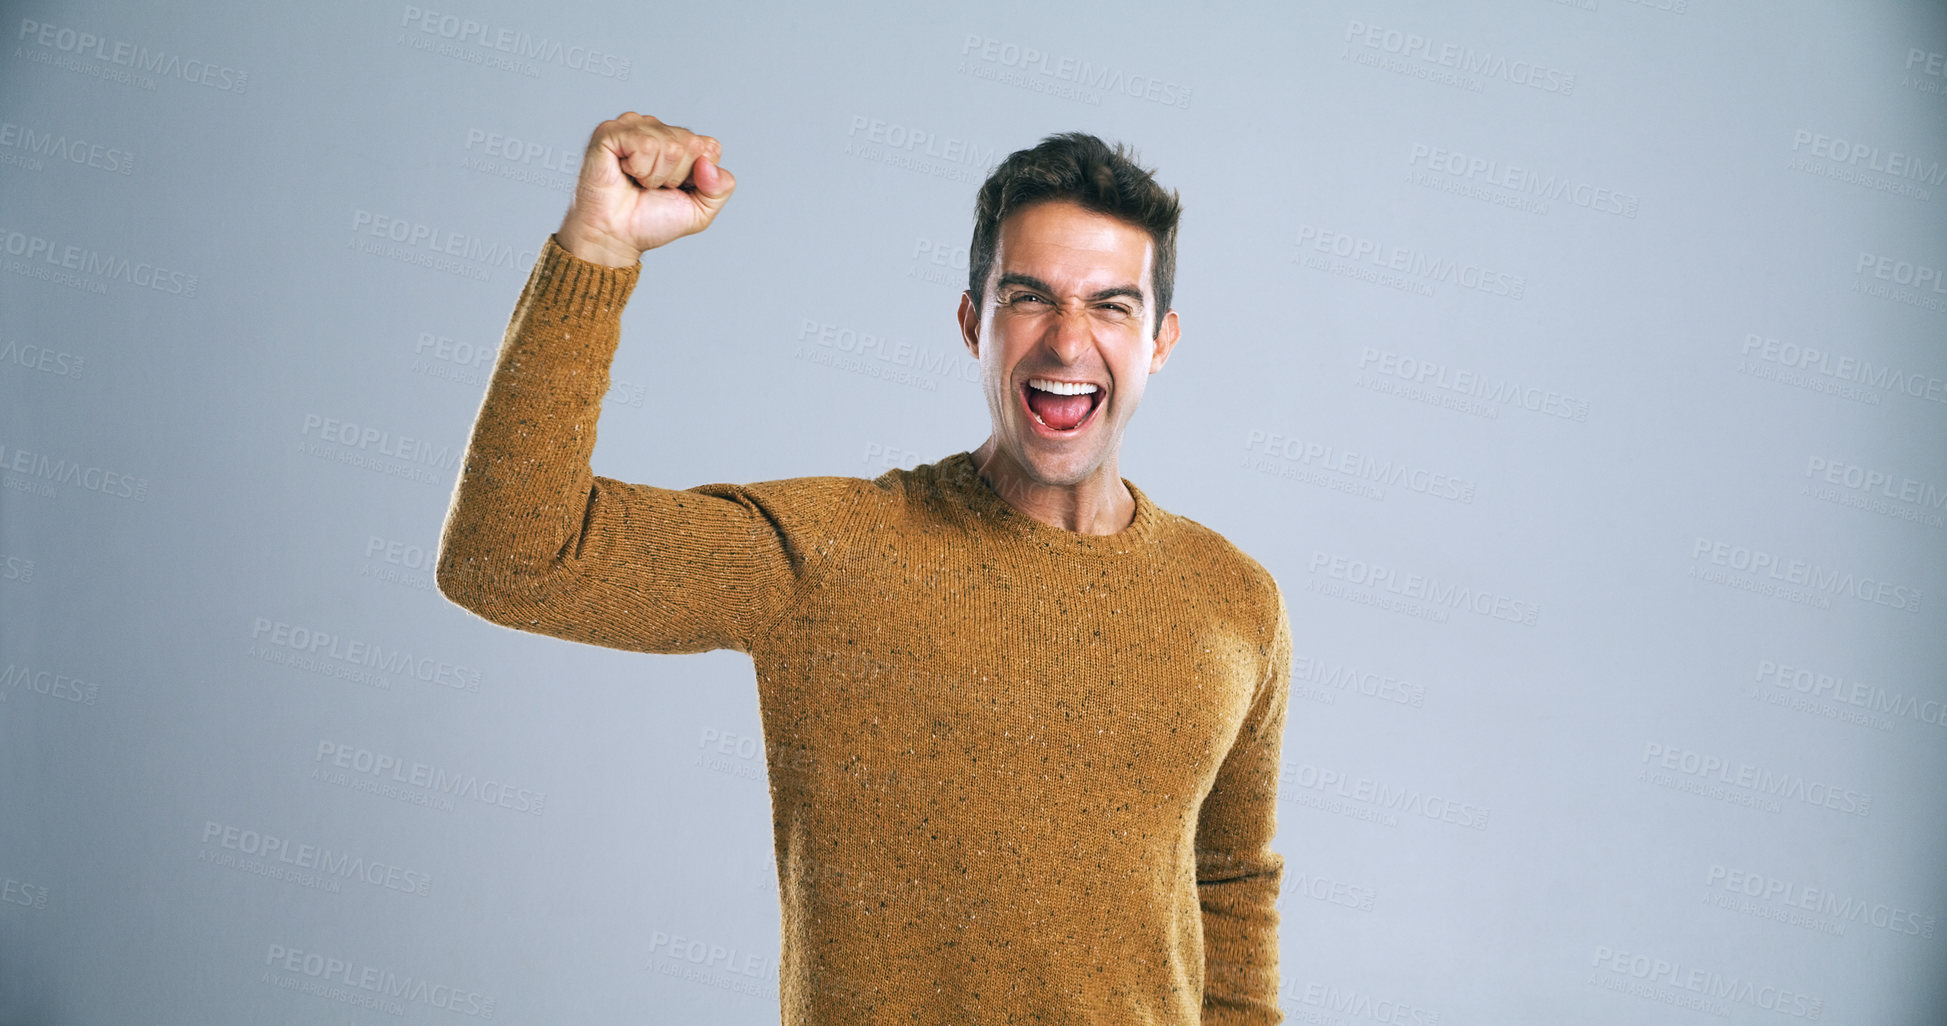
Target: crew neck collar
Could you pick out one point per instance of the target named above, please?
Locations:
(959, 472)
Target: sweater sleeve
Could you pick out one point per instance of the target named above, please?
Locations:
(1238, 875)
(534, 540)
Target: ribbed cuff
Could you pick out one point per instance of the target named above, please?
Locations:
(580, 288)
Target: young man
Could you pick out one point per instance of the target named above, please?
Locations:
(1023, 726)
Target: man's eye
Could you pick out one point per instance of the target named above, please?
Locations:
(1022, 297)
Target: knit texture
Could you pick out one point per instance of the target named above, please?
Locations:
(1018, 774)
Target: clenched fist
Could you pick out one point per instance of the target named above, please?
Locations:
(643, 183)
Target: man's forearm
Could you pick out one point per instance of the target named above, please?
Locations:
(1240, 936)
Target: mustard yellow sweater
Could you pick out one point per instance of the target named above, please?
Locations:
(1018, 774)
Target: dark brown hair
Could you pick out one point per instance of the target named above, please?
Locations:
(1081, 168)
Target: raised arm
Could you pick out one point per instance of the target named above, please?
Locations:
(534, 539)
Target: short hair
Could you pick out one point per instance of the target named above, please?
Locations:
(1081, 168)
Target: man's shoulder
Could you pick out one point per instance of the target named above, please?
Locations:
(1223, 565)
(1196, 539)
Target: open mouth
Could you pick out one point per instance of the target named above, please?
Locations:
(1060, 408)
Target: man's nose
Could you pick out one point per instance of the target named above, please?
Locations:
(1071, 333)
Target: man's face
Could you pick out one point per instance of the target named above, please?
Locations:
(1068, 302)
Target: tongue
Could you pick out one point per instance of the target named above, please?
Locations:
(1061, 412)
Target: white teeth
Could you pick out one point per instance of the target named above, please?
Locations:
(1061, 387)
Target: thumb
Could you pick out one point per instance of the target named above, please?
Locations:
(713, 183)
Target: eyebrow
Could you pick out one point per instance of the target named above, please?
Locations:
(1097, 296)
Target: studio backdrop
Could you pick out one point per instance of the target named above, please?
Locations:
(1578, 369)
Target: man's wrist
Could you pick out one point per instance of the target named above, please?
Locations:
(596, 250)
(565, 283)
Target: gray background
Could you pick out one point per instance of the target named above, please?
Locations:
(1659, 360)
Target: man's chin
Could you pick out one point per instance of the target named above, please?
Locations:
(1056, 469)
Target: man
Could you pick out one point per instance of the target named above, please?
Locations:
(1023, 726)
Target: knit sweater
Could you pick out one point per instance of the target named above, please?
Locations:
(1018, 774)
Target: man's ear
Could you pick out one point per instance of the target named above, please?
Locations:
(1165, 341)
(970, 324)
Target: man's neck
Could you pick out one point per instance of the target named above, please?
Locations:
(1098, 504)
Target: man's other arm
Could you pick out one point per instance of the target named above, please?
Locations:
(1238, 875)
(534, 539)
